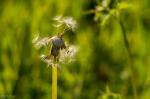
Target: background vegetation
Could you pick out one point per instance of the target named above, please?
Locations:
(101, 70)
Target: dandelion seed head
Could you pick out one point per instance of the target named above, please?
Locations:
(59, 53)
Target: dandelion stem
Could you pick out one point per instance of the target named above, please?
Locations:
(54, 81)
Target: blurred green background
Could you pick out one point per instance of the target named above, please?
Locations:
(101, 68)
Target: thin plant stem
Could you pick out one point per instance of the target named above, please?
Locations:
(54, 81)
(130, 65)
(65, 30)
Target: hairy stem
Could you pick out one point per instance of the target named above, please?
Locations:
(130, 66)
(54, 81)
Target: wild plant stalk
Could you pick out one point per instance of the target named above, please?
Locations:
(54, 81)
(130, 65)
(126, 43)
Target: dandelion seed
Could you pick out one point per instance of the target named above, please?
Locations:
(57, 18)
(57, 25)
(68, 55)
(68, 22)
(38, 43)
(46, 60)
(36, 37)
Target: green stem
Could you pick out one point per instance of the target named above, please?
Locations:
(54, 81)
(130, 66)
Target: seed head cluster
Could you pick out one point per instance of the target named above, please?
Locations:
(59, 51)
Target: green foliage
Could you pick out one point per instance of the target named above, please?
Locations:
(102, 59)
(110, 95)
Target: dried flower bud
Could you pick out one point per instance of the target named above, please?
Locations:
(58, 43)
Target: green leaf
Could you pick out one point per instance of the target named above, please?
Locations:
(124, 6)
